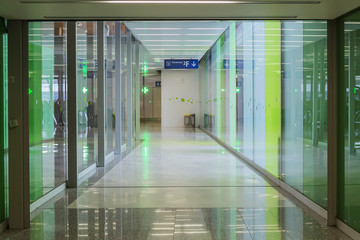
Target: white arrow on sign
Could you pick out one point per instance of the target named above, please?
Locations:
(193, 64)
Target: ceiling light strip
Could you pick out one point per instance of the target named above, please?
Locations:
(297, 2)
(114, 18)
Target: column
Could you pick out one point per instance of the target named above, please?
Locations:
(101, 94)
(118, 112)
(19, 198)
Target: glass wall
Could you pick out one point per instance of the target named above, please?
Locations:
(86, 77)
(4, 184)
(109, 50)
(123, 63)
(47, 106)
(264, 92)
(349, 167)
(304, 108)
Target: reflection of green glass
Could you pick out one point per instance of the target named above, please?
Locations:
(349, 107)
(145, 157)
(37, 108)
(315, 114)
(84, 69)
(272, 95)
(3, 127)
(145, 69)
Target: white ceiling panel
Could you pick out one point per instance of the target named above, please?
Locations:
(177, 39)
(213, 9)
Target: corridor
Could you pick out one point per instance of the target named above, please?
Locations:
(175, 184)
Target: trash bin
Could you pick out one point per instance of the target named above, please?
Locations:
(189, 120)
(186, 120)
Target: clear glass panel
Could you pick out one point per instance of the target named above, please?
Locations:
(123, 83)
(304, 108)
(133, 86)
(349, 167)
(109, 51)
(47, 106)
(86, 77)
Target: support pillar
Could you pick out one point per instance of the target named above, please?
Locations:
(137, 90)
(333, 118)
(129, 88)
(72, 165)
(101, 93)
(19, 175)
(118, 96)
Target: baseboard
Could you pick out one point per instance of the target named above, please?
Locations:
(273, 180)
(87, 171)
(123, 148)
(109, 157)
(4, 225)
(347, 229)
(47, 197)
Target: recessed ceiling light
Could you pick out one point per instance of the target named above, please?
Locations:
(157, 28)
(202, 34)
(172, 2)
(160, 45)
(206, 29)
(158, 34)
(180, 49)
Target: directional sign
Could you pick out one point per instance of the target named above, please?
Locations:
(181, 64)
(239, 64)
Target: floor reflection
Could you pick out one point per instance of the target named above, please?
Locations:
(176, 184)
(172, 223)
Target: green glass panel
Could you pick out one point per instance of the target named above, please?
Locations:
(47, 107)
(4, 194)
(349, 119)
(35, 110)
(279, 80)
(272, 95)
(315, 111)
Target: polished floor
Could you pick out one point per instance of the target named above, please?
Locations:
(175, 184)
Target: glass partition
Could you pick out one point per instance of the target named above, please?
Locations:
(47, 106)
(304, 108)
(264, 92)
(109, 50)
(123, 63)
(349, 167)
(86, 77)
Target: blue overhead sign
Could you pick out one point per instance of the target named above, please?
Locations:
(181, 64)
(239, 64)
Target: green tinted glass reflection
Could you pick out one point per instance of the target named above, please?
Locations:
(348, 168)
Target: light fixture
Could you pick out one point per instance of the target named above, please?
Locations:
(158, 34)
(172, 2)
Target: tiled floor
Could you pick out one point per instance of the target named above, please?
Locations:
(176, 184)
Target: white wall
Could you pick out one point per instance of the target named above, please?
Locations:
(179, 96)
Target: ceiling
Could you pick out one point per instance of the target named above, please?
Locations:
(100, 9)
(176, 39)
